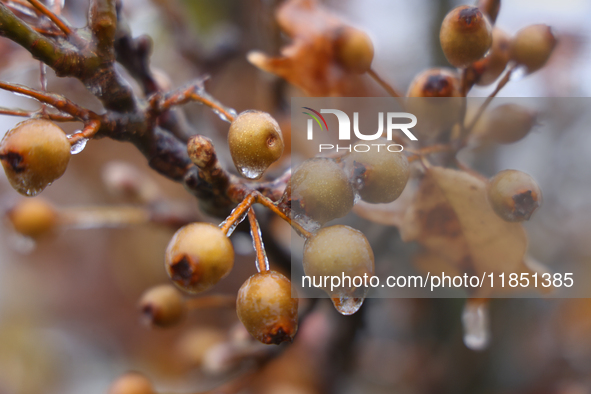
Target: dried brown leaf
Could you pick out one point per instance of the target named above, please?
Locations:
(309, 62)
(452, 219)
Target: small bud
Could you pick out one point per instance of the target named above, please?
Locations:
(132, 383)
(33, 217)
(265, 307)
(532, 46)
(353, 49)
(465, 35)
(201, 151)
(162, 306)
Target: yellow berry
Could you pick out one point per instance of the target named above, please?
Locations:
(532, 46)
(198, 256)
(34, 154)
(353, 49)
(162, 306)
(465, 35)
(266, 309)
(33, 217)
(255, 142)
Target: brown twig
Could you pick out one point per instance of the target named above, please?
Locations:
(59, 102)
(89, 130)
(385, 85)
(29, 114)
(53, 17)
(255, 231)
(486, 103)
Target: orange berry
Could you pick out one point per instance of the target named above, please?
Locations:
(33, 217)
(132, 383)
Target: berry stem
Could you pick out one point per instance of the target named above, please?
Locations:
(385, 85)
(257, 240)
(30, 114)
(101, 217)
(271, 205)
(238, 213)
(194, 92)
(485, 105)
(90, 129)
(54, 18)
(211, 301)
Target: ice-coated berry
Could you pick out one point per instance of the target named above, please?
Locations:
(353, 49)
(321, 190)
(34, 154)
(255, 142)
(380, 176)
(266, 309)
(198, 256)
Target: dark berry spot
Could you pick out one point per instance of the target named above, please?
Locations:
(277, 336)
(469, 15)
(437, 85)
(148, 314)
(525, 204)
(15, 161)
(185, 270)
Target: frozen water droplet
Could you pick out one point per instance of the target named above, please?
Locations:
(78, 145)
(306, 222)
(347, 305)
(475, 319)
(251, 173)
(265, 259)
(518, 74)
(236, 223)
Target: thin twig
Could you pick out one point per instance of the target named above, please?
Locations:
(486, 103)
(255, 232)
(29, 114)
(89, 130)
(53, 17)
(387, 87)
(271, 205)
(238, 213)
(59, 102)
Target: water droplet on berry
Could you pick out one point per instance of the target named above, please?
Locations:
(78, 145)
(346, 305)
(251, 172)
(306, 222)
(475, 319)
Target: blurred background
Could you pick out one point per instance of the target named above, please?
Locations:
(69, 321)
